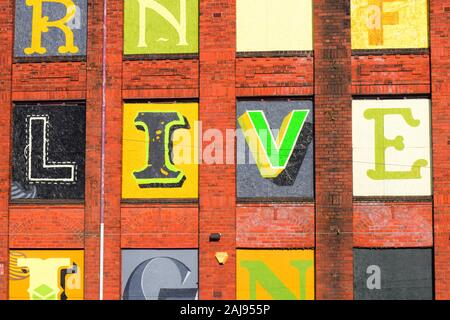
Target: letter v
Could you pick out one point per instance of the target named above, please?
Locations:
(272, 156)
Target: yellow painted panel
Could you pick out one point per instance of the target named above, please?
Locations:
(389, 24)
(275, 274)
(274, 25)
(46, 275)
(184, 157)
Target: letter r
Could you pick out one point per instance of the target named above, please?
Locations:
(40, 25)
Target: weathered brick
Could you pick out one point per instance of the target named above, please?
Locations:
(440, 89)
(333, 150)
(217, 110)
(6, 36)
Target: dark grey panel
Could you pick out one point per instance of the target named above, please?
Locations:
(48, 160)
(54, 38)
(393, 274)
(298, 179)
(159, 274)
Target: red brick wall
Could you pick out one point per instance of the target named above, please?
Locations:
(6, 36)
(393, 225)
(285, 76)
(34, 95)
(391, 74)
(93, 149)
(217, 181)
(51, 76)
(63, 227)
(333, 149)
(113, 154)
(440, 66)
(154, 226)
(160, 79)
(216, 78)
(275, 226)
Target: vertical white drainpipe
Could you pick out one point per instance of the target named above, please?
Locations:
(102, 169)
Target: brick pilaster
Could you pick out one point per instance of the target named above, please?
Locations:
(217, 181)
(440, 87)
(333, 164)
(113, 156)
(93, 149)
(6, 40)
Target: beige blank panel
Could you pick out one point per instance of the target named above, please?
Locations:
(274, 25)
(396, 161)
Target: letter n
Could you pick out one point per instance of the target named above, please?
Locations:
(178, 25)
(260, 273)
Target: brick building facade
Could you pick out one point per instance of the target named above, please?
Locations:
(335, 223)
